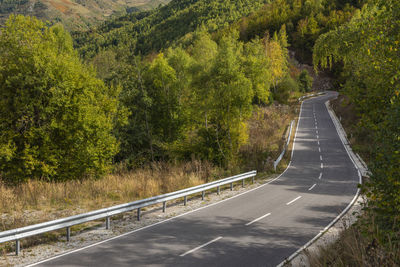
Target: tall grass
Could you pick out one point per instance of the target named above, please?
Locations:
(363, 244)
(37, 201)
(266, 136)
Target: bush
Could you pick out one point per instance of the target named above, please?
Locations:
(283, 89)
(305, 81)
(56, 118)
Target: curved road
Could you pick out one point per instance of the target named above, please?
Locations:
(261, 227)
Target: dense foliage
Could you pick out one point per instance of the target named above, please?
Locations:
(305, 20)
(368, 47)
(195, 103)
(190, 74)
(160, 28)
(56, 117)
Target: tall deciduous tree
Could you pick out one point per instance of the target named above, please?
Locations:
(368, 47)
(56, 118)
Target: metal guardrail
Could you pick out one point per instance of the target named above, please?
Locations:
(310, 95)
(36, 229)
(276, 162)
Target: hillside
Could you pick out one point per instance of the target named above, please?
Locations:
(163, 27)
(75, 14)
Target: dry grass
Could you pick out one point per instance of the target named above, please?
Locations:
(37, 201)
(266, 136)
(369, 248)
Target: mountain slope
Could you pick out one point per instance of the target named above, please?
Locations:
(159, 28)
(75, 14)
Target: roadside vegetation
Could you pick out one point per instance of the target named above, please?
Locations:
(155, 101)
(366, 51)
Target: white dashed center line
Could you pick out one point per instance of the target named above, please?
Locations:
(320, 175)
(290, 202)
(319, 149)
(202, 246)
(259, 218)
(322, 165)
(320, 157)
(309, 189)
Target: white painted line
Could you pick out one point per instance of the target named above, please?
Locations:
(309, 189)
(316, 127)
(199, 247)
(322, 165)
(320, 175)
(318, 142)
(259, 218)
(317, 131)
(317, 136)
(319, 149)
(290, 202)
(335, 122)
(320, 157)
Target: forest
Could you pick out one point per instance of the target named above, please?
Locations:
(182, 82)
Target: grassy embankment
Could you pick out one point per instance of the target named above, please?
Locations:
(362, 244)
(38, 201)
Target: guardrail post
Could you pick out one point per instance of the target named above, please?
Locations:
(202, 195)
(185, 200)
(231, 186)
(252, 179)
(138, 214)
(68, 233)
(243, 183)
(164, 206)
(107, 223)
(17, 247)
(218, 190)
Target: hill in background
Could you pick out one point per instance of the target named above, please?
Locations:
(75, 14)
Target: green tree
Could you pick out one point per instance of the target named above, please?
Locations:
(305, 81)
(256, 69)
(56, 118)
(368, 47)
(231, 100)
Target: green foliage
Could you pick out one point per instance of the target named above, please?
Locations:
(368, 47)
(163, 27)
(55, 116)
(193, 103)
(284, 88)
(305, 81)
(303, 20)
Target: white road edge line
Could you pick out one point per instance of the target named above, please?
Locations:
(288, 259)
(309, 189)
(202, 246)
(259, 218)
(290, 202)
(320, 176)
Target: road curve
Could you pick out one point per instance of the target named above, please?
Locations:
(261, 227)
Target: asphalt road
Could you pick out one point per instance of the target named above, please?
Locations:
(261, 227)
